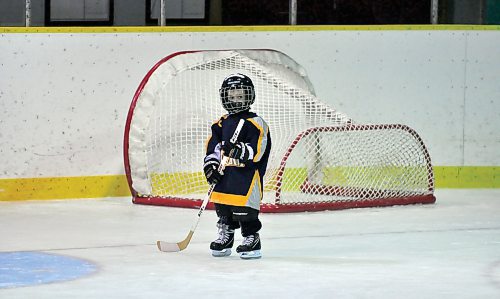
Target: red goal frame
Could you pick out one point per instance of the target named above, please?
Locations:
(278, 206)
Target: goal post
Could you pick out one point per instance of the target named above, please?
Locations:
(320, 158)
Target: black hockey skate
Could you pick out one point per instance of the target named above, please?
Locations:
(222, 246)
(250, 248)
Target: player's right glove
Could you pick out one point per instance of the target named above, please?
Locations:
(211, 169)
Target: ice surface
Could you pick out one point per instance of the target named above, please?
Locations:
(447, 250)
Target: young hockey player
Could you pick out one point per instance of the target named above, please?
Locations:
(239, 188)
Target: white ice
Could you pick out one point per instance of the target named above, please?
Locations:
(447, 250)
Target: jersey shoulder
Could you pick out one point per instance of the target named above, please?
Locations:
(259, 123)
(219, 121)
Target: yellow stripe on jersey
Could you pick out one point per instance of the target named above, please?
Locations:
(219, 123)
(240, 200)
(263, 134)
(207, 141)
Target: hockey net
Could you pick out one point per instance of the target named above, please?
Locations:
(320, 158)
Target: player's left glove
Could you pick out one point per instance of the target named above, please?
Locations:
(211, 169)
(239, 150)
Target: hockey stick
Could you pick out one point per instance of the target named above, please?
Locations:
(175, 247)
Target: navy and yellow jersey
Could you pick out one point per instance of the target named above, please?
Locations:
(241, 184)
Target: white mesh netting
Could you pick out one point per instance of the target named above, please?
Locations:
(319, 156)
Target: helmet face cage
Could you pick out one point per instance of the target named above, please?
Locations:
(237, 93)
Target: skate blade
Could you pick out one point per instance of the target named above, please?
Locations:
(250, 255)
(221, 253)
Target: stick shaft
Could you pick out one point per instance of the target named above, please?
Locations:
(172, 247)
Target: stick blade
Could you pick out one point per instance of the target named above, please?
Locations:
(168, 247)
(175, 247)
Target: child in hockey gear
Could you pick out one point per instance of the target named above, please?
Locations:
(238, 190)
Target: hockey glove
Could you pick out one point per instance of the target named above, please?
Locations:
(211, 169)
(238, 151)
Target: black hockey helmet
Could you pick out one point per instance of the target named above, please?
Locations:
(237, 93)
